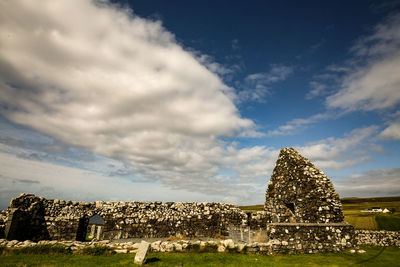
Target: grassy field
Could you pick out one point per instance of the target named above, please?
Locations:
(363, 220)
(372, 221)
(253, 208)
(375, 256)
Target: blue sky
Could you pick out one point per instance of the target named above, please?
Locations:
(192, 101)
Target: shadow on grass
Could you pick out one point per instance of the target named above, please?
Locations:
(372, 258)
(151, 260)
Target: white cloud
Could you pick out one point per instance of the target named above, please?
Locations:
(235, 44)
(120, 86)
(300, 124)
(338, 69)
(256, 86)
(23, 175)
(392, 132)
(318, 89)
(345, 152)
(372, 183)
(213, 66)
(392, 129)
(374, 81)
(368, 81)
(252, 162)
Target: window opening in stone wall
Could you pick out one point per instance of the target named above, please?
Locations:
(290, 206)
(94, 228)
(248, 218)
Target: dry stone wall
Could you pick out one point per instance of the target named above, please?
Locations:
(291, 238)
(36, 218)
(377, 238)
(287, 239)
(299, 192)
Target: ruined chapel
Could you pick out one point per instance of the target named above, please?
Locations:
(302, 214)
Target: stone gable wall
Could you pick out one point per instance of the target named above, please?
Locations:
(299, 192)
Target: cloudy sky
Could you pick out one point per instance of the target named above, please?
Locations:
(192, 101)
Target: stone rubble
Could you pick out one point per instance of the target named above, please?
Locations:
(377, 238)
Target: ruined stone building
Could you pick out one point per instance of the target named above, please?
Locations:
(302, 208)
(298, 192)
(302, 214)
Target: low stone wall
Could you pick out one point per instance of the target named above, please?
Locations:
(304, 240)
(220, 246)
(156, 246)
(35, 218)
(290, 238)
(377, 238)
(310, 238)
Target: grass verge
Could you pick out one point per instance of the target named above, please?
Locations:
(375, 256)
(55, 250)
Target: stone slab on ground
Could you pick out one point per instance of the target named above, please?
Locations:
(141, 254)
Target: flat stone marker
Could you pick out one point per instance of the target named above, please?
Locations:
(99, 229)
(141, 254)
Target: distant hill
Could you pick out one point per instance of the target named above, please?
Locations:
(346, 200)
(351, 200)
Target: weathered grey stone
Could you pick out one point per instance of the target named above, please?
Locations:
(141, 254)
(377, 238)
(228, 243)
(121, 219)
(221, 248)
(299, 192)
(99, 232)
(122, 251)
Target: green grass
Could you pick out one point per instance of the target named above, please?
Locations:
(55, 250)
(252, 208)
(362, 222)
(375, 256)
(66, 260)
(87, 236)
(372, 221)
(388, 222)
(37, 250)
(97, 250)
